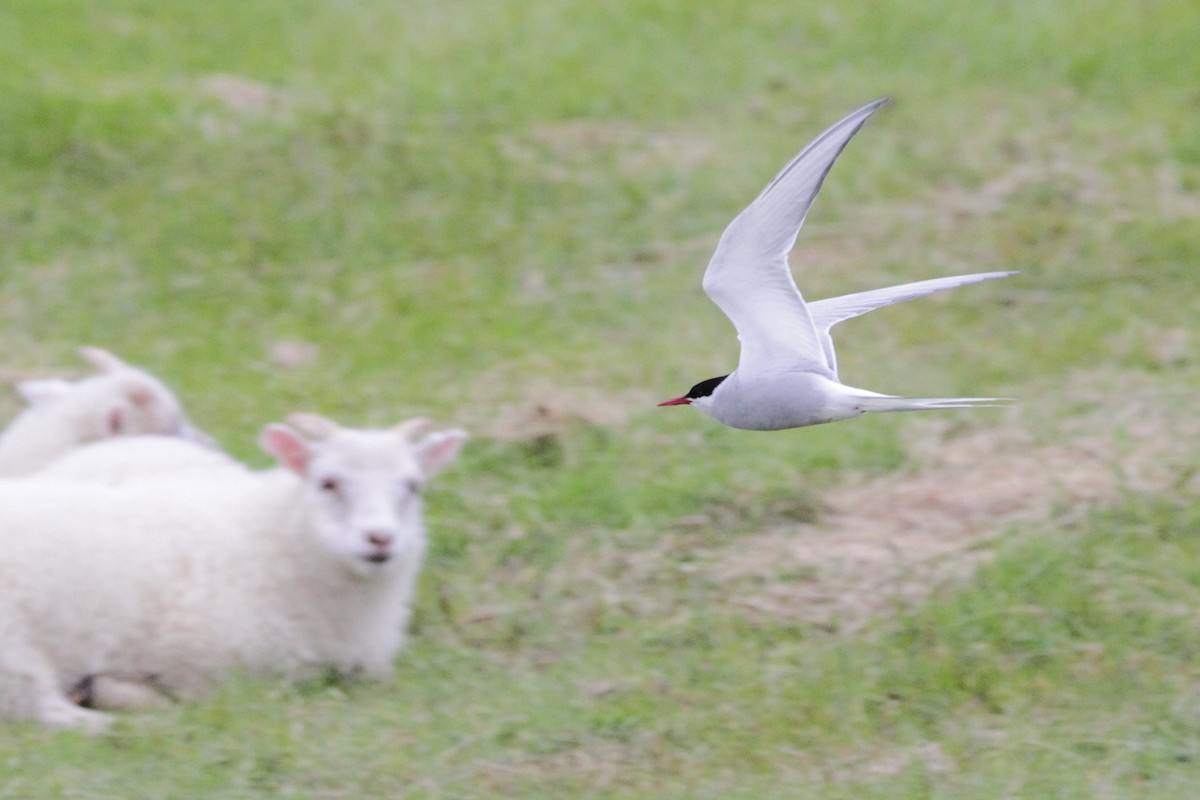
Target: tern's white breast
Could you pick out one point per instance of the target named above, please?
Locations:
(778, 400)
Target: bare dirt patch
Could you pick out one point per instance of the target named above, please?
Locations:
(238, 100)
(243, 95)
(583, 149)
(549, 410)
(880, 542)
(887, 541)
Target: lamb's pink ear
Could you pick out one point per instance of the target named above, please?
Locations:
(289, 449)
(413, 428)
(40, 391)
(438, 449)
(102, 359)
(314, 426)
(139, 393)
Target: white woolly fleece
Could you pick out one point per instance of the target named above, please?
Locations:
(175, 581)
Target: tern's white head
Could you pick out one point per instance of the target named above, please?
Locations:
(700, 395)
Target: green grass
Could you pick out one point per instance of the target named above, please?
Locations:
(473, 211)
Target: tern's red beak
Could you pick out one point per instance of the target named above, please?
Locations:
(677, 401)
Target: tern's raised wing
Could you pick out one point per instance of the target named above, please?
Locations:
(830, 311)
(749, 278)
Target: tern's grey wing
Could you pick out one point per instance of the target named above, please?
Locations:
(830, 311)
(749, 278)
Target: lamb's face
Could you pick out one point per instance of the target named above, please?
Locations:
(364, 492)
(130, 402)
(363, 487)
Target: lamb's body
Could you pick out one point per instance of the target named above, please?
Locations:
(119, 401)
(127, 458)
(176, 582)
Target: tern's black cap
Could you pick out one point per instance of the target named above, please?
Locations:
(705, 388)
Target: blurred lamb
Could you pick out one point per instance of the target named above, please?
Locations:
(128, 458)
(125, 458)
(120, 401)
(172, 582)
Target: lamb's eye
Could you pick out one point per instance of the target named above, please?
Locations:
(414, 487)
(330, 485)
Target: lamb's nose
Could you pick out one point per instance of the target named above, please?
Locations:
(380, 539)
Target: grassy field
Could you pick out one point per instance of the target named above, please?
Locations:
(497, 214)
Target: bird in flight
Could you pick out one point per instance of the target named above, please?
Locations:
(786, 376)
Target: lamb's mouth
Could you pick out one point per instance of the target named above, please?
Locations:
(377, 558)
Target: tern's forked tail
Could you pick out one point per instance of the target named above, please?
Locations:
(889, 403)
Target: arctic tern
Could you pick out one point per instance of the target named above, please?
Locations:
(786, 376)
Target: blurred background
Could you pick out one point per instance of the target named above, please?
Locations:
(497, 215)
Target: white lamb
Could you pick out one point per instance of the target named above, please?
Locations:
(172, 582)
(131, 458)
(125, 458)
(120, 401)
